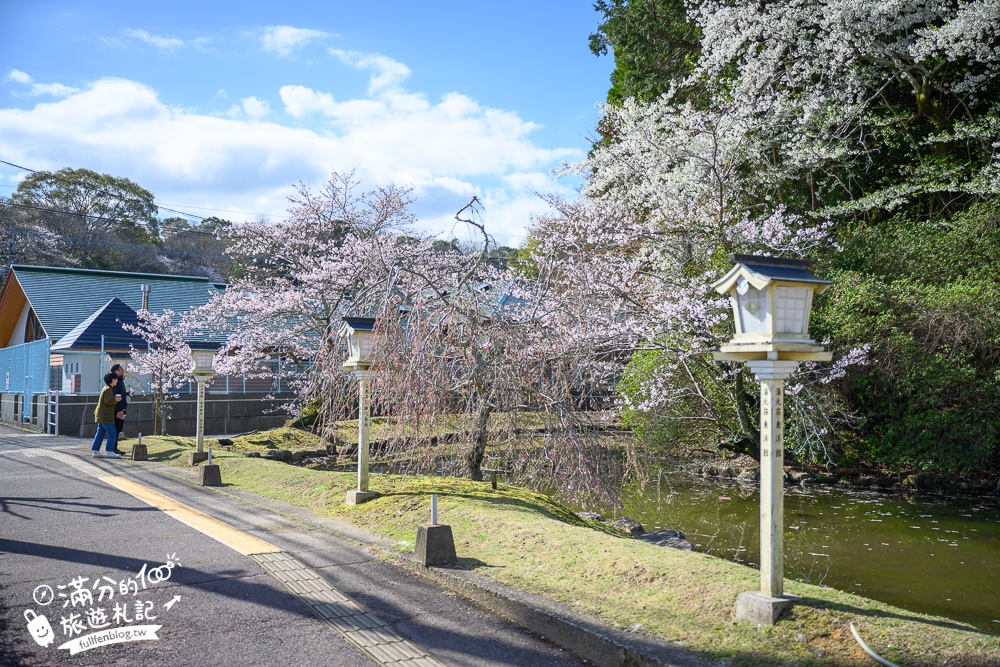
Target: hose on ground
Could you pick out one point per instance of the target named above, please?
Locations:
(870, 652)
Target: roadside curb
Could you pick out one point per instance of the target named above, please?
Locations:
(583, 636)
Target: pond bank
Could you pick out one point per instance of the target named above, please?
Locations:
(861, 478)
(925, 551)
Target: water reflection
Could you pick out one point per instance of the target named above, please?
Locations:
(924, 553)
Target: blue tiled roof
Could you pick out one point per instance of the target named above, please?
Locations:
(793, 273)
(360, 323)
(104, 330)
(62, 298)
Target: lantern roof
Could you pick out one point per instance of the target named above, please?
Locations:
(354, 324)
(760, 271)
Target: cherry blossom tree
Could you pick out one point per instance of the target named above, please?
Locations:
(480, 346)
(166, 358)
(467, 341)
(909, 86)
(811, 118)
(337, 254)
(665, 202)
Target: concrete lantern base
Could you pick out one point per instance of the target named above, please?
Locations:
(435, 545)
(194, 458)
(139, 453)
(211, 475)
(355, 497)
(759, 609)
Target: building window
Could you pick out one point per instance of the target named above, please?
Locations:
(33, 328)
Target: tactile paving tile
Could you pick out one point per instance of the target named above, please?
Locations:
(359, 626)
(78, 462)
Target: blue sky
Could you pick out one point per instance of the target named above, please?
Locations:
(225, 105)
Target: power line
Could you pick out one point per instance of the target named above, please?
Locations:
(226, 210)
(184, 230)
(104, 192)
(153, 250)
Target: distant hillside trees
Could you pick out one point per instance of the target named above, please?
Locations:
(78, 217)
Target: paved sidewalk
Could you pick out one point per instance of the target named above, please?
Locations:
(320, 597)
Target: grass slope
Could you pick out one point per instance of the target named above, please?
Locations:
(528, 541)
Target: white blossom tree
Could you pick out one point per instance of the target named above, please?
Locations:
(908, 85)
(166, 358)
(666, 201)
(337, 254)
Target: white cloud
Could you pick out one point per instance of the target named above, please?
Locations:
(18, 76)
(448, 150)
(52, 89)
(255, 108)
(387, 73)
(166, 43)
(283, 39)
(300, 101)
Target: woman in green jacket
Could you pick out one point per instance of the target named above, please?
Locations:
(104, 415)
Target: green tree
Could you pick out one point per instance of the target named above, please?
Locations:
(925, 296)
(104, 203)
(654, 46)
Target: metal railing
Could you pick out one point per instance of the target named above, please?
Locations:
(52, 414)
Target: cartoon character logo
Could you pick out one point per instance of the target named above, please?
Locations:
(39, 628)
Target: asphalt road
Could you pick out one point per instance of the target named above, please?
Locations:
(73, 549)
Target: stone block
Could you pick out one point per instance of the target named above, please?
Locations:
(355, 497)
(435, 545)
(667, 538)
(211, 475)
(630, 526)
(194, 458)
(759, 609)
(139, 453)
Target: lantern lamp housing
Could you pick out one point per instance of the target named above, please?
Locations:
(203, 360)
(359, 334)
(771, 299)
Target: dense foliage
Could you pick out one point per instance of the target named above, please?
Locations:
(879, 121)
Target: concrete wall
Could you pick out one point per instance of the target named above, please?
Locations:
(10, 407)
(223, 414)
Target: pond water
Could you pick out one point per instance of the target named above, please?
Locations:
(932, 554)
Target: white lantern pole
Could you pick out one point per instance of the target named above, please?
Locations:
(201, 414)
(772, 376)
(202, 371)
(363, 431)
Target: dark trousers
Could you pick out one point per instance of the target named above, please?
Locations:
(119, 425)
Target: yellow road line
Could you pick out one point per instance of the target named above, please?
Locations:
(235, 539)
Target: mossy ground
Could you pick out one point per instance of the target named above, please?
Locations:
(528, 541)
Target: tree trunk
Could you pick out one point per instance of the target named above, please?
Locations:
(747, 445)
(474, 457)
(156, 413)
